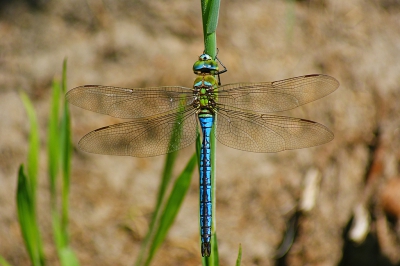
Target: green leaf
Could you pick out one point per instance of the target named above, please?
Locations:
(24, 213)
(26, 191)
(33, 152)
(59, 147)
(53, 149)
(68, 257)
(210, 14)
(66, 151)
(171, 157)
(239, 258)
(166, 180)
(3, 262)
(172, 206)
(27, 220)
(213, 14)
(60, 152)
(57, 232)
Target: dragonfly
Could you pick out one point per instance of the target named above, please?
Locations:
(239, 113)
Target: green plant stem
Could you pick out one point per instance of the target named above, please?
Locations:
(65, 158)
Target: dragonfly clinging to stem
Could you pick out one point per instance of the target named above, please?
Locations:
(239, 112)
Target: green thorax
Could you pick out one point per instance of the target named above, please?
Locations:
(205, 85)
(204, 91)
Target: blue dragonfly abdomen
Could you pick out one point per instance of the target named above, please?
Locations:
(206, 123)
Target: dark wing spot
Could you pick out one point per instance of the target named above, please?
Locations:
(102, 128)
(308, 121)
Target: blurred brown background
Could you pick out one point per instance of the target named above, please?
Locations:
(350, 187)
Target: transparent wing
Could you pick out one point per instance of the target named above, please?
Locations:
(276, 96)
(144, 137)
(129, 103)
(268, 133)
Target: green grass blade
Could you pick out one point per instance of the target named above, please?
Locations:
(68, 257)
(65, 158)
(27, 220)
(57, 232)
(59, 158)
(53, 141)
(210, 14)
(239, 258)
(167, 173)
(3, 262)
(172, 206)
(166, 177)
(24, 202)
(54, 157)
(165, 182)
(65, 165)
(213, 15)
(26, 190)
(33, 152)
(27, 183)
(64, 76)
(171, 157)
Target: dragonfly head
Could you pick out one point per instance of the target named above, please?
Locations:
(205, 65)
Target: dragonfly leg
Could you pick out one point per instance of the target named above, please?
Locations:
(222, 71)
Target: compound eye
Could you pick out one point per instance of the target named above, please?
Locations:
(205, 57)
